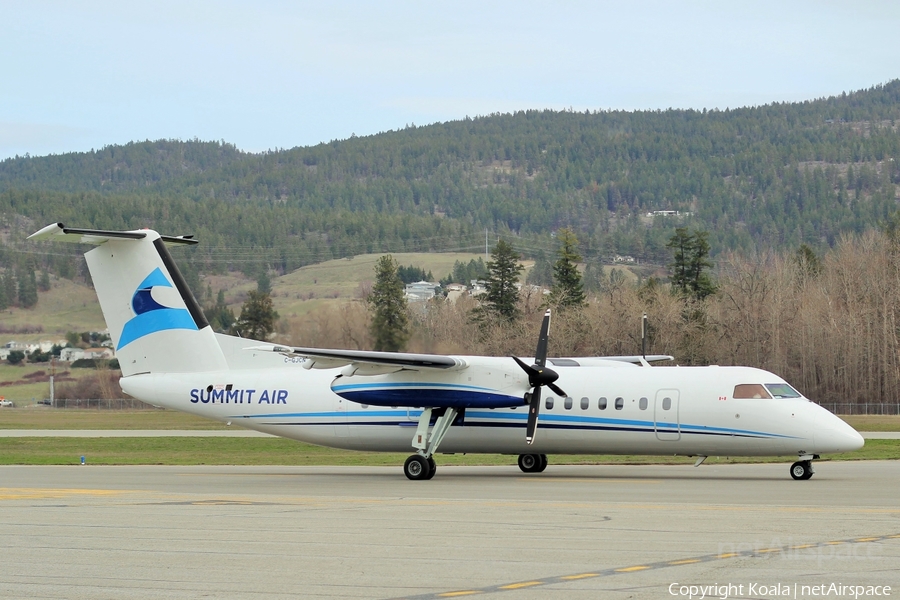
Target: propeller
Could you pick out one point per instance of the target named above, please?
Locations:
(539, 376)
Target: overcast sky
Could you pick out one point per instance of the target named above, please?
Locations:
(271, 74)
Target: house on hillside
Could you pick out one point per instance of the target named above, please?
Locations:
(477, 287)
(421, 291)
(73, 354)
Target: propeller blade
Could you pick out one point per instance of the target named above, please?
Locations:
(557, 390)
(540, 355)
(533, 409)
(538, 376)
(531, 371)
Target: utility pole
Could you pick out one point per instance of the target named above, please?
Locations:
(52, 373)
(644, 336)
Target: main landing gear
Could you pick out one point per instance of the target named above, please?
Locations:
(421, 465)
(803, 469)
(532, 463)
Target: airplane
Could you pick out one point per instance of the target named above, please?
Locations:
(390, 402)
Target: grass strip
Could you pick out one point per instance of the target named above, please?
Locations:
(48, 418)
(280, 451)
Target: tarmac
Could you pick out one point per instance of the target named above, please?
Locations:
(367, 532)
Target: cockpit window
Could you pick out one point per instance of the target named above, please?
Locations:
(782, 390)
(750, 390)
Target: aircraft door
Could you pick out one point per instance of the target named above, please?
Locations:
(665, 416)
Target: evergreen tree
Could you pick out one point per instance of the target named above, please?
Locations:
(263, 283)
(10, 289)
(680, 244)
(258, 316)
(28, 293)
(220, 317)
(4, 296)
(541, 273)
(390, 321)
(413, 274)
(503, 274)
(690, 263)
(44, 282)
(567, 290)
(807, 262)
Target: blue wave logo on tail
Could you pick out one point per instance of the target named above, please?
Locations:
(149, 315)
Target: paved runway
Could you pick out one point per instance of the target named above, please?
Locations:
(493, 532)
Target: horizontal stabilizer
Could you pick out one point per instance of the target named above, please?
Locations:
(57, 232)
(156, 324)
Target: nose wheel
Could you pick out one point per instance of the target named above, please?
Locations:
(802, 469)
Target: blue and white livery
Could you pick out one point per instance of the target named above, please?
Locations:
(389, 402)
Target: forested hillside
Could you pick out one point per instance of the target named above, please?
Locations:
(771, 176)
(760, 181)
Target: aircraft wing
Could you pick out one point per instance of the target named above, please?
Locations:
(364, 362)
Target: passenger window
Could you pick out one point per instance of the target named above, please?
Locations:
(584, 403)
(750, 390)
(568, 402)
(602, 404)
(620, 403)
(642, 403)
(549, 403)
(667, 403)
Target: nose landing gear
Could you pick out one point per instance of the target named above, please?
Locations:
(803, 469)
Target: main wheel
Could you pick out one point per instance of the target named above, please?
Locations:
(416, 467)
(530, 463)
(802, 469)
(543, 464)
(432, 466)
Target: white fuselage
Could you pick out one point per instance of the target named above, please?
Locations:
(662, 411)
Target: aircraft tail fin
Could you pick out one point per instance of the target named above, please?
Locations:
(154, 320)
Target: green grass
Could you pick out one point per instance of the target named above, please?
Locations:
(48, 418)
(873, 422)
(279, 451)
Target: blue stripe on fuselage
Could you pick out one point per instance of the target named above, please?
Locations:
(511, 420)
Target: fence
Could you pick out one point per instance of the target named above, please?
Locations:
(101, 404)
(868, 408)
